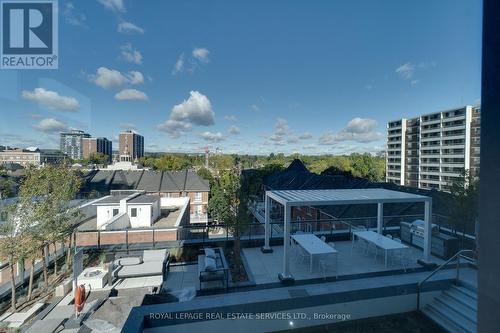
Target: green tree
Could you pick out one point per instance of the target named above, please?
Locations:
(10, 248)
(227, 205)
(205, 174)
(464, 203)
(47, 191)
(6, 187)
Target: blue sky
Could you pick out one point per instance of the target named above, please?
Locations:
(247, 76)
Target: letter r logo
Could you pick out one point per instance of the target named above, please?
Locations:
(27, 27)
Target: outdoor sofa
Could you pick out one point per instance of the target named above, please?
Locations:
(152, 263)
(212, 266)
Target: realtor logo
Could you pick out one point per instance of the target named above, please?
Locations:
(29, 35)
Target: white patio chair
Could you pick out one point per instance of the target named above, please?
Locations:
(401, 257)
(301, 255)
(328, 265)
(388, 236)
(323, 238)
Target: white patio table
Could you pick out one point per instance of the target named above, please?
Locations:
(380, 241)
(314, 246)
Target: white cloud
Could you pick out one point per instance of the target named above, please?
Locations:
(128, 53)
(73, 17)
(111, 78)
(196, 110)
(108, 78)
(51, 125)
(113, 5)
(305, 136)
(174, 128)
(179, 65)
(211, 136)
(231, 118)
(361, 130)
(406, 70)
(129, 28)
(131, 95)
(51, 99)
(360, 125)
(327, 139)
(254, 108)
(233, 129)
(282, 127)
(135, 77)
(201, 54)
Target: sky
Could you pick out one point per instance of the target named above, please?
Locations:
(249, 77)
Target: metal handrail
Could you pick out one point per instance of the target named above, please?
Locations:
(456, 256)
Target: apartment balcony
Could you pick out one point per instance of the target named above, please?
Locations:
(448, 155)
(453, 118)
(429, 181)
(430, 139)
(430, 130)
(430, 173)
(453, 127)
(429, 122)
(453, 137)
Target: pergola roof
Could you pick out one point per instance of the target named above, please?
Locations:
(343, 197)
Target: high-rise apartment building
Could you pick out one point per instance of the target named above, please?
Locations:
(131, 146)
(72, 143)
(431, 151)
(97, 145)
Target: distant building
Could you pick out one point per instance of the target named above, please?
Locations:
(166, 184)
(72, 143)
(127, 210)
(97, 145)
(31, 156)
(432, 150)
(131, 146)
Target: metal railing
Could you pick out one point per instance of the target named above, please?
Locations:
(457, 256)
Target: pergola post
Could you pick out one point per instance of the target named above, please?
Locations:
(427, 229)
(380, 217)
(267, 231)
(286, 277)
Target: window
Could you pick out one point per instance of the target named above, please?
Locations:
(198, 196)
(115, 211)
(133, 212)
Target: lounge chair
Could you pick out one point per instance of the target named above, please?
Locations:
(152, 263)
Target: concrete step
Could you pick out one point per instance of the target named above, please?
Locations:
(459, 308)
(464, 291)
(444, 322)
(463, 299)
(463, 323)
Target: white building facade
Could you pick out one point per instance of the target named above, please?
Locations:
(431, 151)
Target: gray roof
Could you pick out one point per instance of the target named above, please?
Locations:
(144, 199)
(146, 180)
(140, 199)
(343, 196)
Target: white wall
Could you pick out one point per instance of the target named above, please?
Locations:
(104, 214)
(119, 222)
(143, 218)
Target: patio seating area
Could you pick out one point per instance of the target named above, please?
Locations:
(348, 260)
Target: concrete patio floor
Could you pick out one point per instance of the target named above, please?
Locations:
(265, 267)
